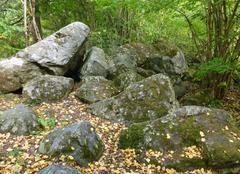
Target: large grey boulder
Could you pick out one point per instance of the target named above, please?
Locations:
(20, 120)
(95, 63)
(14, 72)
(145, 100)
(48, 88)
(59, 169)
(189, 137)
(95, 88)
(61, 52)
(78, 140)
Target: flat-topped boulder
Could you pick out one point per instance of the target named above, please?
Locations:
(20, 120)
(145, 100)
(60, 52)
(47, 88)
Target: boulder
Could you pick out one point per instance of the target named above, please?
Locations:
(145, 100)
(48, 88)
(95, 88)
(139, 52)
(20, 120)
(78, 140)
(95, 63)
(14, 72)
(59, 169)
(187, 138)
(123, 62)
(123, 80)
(61, 52)
(170, 60)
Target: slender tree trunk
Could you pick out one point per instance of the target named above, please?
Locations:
(35, 24)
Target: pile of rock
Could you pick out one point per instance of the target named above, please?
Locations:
(137, 84)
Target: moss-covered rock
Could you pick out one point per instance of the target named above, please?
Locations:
(145, 100)
(48, 88)
(190, 137)
(133, 136)
(123, 80)
(95, 88)
(78, 140)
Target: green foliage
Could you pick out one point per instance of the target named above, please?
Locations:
(133, 136)
(11, 29)
(48, 123)
(15, 153)
(216, 65)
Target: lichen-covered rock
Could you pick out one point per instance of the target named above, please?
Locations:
(59, 169)
(145, 100)
(123, 62)
(48, 88)
(20, 120)
(61, 52)
(95, 63)
(95, 88)
(123, 80)
(189, 137)
(14, 72)
(78, 140)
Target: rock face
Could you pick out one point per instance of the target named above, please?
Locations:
(48, 88)
(20, 120)
(95, 63)
(145, 100)
(61, 52)
(14, 72)
(189, 137)
(95, 88)
(59, 169)
(125, 79)
(78, 140)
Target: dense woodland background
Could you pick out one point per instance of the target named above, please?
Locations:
(208, 31)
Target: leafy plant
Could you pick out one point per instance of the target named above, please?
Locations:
(216, 65)
(48, 123)
(15, 152)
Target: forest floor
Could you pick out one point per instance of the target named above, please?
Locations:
(19, 154)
